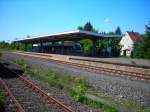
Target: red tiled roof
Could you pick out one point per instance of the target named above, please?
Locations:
(135, 36)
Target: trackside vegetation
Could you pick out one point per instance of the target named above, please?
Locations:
(2, 101)
(76, 87)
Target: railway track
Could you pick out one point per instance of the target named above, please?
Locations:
(26, 96)
(126, 74)
(17, 107)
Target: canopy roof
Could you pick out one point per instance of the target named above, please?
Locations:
(68, 36)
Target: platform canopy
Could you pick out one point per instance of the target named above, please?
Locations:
(66, 36)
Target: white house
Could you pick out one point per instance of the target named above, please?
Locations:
(128, 42)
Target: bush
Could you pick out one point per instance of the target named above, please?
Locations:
(140, 52)
(87, 46)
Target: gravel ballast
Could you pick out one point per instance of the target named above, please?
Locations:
(54, 92)
(117, 87)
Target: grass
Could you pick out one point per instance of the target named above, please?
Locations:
(94, 103)
(76, 87)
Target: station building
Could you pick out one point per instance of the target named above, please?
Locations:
(128, 43)
(65, 42)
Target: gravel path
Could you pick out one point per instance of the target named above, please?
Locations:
(137, 91)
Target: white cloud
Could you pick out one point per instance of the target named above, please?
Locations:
(107, 20)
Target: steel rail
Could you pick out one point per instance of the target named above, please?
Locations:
(96, 69)
(43, 93)
(18, 107)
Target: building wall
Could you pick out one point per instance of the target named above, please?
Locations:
(126, 45)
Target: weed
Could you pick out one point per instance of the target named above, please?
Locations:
(94, 103)
(133, 62)
(36, 71)
(80, 89)
(23, 64)
(20, 61)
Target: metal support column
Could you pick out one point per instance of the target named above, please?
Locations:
(94, 52)
(25, 48)
(62, 47)
(41, 47)
(32, 49)
(53, 48)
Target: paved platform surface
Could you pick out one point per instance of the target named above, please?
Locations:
(122, 60)
(119, 60)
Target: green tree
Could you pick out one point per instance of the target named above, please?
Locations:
(111, 33)
(87, 46)
(80, 28)
(100, 44)
(143, 50)
(88, 26)
(114, 43)
(87, 43)
(139, 53)
(14, 46)
(147, 41)
(4, 44)
(118, 31)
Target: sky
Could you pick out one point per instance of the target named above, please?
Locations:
(22, 18)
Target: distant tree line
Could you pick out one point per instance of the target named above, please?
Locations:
(15, 46)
